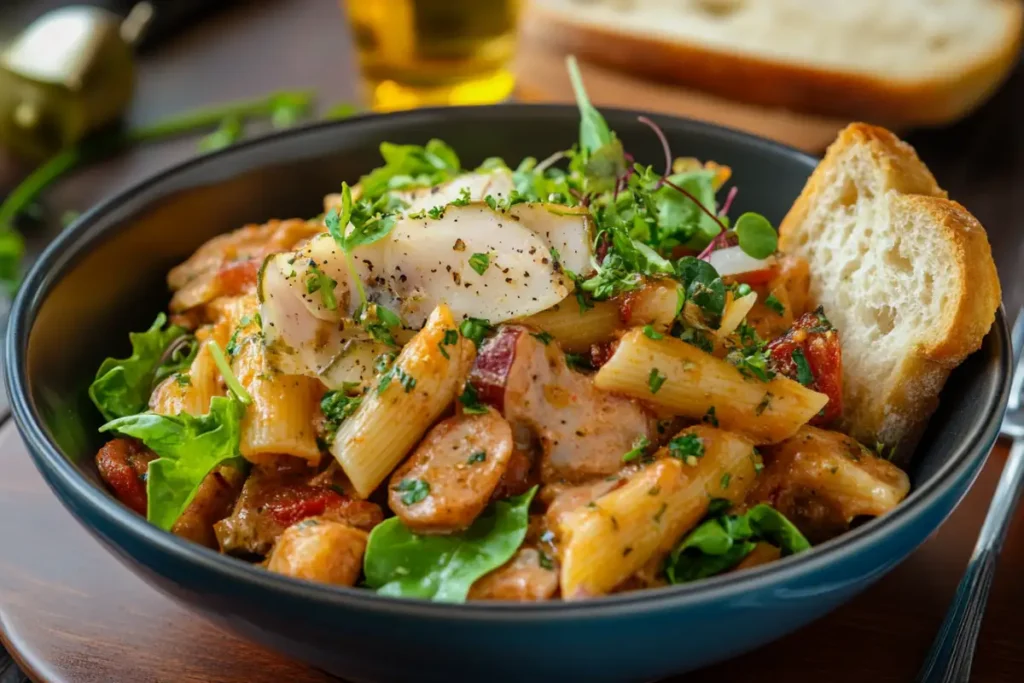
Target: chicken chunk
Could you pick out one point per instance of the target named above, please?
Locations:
(450, 477)
(583, 431)
(273, 500)
(822, 480)
(122, 464)
(318, 549)
(529, 576)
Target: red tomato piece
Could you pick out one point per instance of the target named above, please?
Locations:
(238, 277)
(123, 464)
(293, 503)
(813, 338)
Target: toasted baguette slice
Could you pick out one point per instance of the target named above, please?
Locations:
(905, 275)
(897, 62)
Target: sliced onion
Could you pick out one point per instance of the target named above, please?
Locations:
(733, 261)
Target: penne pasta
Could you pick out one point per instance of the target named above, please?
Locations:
(657, 304)
(191, 392)
(394, 416)
(735, 312)
(694, 384)
(577, 330)
(608, 541)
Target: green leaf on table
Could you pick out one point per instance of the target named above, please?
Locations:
(228, 133)
(342, 110)
(12, 249)
(188, 448)
(401, 563)
(758, 238)
(122, 385)
(408, 166)
(722, 541)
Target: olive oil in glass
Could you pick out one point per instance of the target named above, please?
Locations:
(416, 53)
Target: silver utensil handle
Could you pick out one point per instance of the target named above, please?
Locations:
(951, 655)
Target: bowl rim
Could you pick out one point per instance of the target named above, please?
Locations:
(81, 237)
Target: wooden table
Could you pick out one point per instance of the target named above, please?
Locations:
(881, 636)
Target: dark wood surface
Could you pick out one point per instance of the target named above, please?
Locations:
(74, 614)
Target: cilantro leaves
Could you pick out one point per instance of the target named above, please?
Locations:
(408, 166)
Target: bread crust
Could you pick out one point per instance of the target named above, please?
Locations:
(940, 99)
(901, 412)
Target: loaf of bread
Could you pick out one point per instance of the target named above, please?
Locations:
(905, 274)
(895, 62)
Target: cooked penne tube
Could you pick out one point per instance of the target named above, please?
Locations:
(190, 392)
(735, 312)
(606, 542)
(394, 416)
(657, 304)
(689, 382)
(575, 330)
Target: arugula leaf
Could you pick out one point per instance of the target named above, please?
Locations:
(594, 130)
(122, 386)
(188, 447)
(722, 541)
(704, 287)
(401, 563)
(407, 166)
(758, 238)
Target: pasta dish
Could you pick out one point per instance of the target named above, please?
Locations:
(558, 379)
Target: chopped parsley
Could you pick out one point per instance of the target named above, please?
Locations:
(543, 337)
(451, 338)
(774, 304)
(470, 401)
(475, 329)
(318, 281)
(639, 446)
(183, 379)
(687, 448)
(655, 380)
(412, 490)
(578, 361)
(652, 333)
(480, 263)
(337, 406)
(407, 381)
(803, 368)
(544, 560)
(726, 478)
(479, 456)
(766, 402)
(710, 418)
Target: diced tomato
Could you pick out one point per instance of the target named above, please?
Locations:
(755, 277)
(813, 337)
(123, 464)
(602, 353)
(290, 504)
(238, 277)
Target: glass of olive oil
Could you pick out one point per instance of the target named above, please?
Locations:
(417, 53)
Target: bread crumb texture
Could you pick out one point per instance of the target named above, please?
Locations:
(905, 275)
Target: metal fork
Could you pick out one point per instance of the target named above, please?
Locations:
(951, 655)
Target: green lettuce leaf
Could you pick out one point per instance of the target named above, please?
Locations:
(123, 385)
(442, 568)
(721, 542)
(408, 166)
(189, 447)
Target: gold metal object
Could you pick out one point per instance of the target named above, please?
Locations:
(69, 73)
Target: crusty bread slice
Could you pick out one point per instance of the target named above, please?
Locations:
(905, 275)
(897, 62)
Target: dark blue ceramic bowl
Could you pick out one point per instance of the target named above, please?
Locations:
(105, 276)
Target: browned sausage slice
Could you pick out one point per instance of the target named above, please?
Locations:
(449, 478)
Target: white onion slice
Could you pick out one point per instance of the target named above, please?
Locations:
(733, 261)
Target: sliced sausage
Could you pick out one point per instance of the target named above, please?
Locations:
(450, 477)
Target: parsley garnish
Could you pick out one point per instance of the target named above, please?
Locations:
(480, 263)
(803, 368)
(726, 478)
(412, 490)
(183, 379)
(652, 333)
(479, 456)
(687, 447)
(318, 281)
(639, 445)
(470, 401)
(543, 337)
(578, 361)
(655, 380)
(544, 560)
(338, 405)
(766, 401)
(451, 338)
(475, 329)
(710, 417)
(407, 381)
(773, 303)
